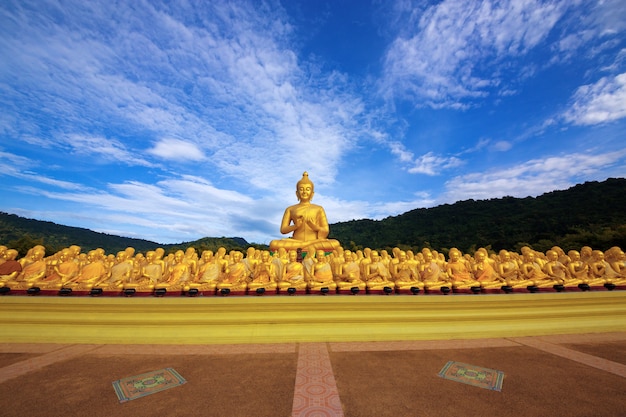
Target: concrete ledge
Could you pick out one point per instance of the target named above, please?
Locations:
(312, 318)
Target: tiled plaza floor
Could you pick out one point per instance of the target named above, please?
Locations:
(573, 375)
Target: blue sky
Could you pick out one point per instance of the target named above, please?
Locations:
(175, 120)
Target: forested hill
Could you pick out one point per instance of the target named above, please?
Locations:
(593, 213)
(21, 233)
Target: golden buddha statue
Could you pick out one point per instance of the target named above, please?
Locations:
(432, 276)
(556, 270)
(65, 271)
(9, 268)
(532, 273)
(458, 271)
(484, 273)
(121, 273)
(264, 275)
(306, 221)
(150, 274)
(208, 274)
(322, 274)
(92, 272)
(348, 275)
(179, 274)
(404, 276)
(617, 261)
(234, 278)
(601, 272)
(377, 276)
(293, 273)
(507, 267)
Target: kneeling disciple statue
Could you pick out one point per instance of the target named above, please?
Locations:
(306, 221)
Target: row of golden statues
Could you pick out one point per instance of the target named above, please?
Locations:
(340, 270)
(326, 268)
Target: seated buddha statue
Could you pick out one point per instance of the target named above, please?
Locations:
(306, 221)
(9, 268)
(577, 268)
(432, 275)
(92, 272)
(349, 273)
(617, 261)
(293, 273)
(484, 273)
(556, 270)
(532, 274)
(208, 273)
(235, 276)
(601, 272)
(150, 273)
(121, 273)
(264, 274)
(280, 259)
(65, 271)
(458, 270)
(377, 276)
(507, 267)
(322, 274)
(33, 270)
(179, 274)
(404, 275)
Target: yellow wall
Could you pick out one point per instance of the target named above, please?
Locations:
(305, 318)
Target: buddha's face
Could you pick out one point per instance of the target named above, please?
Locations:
(293, 256)
(552, 255)
(574, 256)
(304, 192)
(207, 256)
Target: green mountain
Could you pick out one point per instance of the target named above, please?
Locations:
(22, 234)
(590, 214)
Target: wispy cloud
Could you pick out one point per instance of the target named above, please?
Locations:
(442, 59)
(601, 102)
(531, 178)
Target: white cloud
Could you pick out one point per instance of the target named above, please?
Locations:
(177, 150)
(530, 178)
(441, 60)
(431, 164)
(231, 87)
(602, 102)
(502, 146)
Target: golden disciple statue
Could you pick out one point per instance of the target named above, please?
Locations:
(306, 221)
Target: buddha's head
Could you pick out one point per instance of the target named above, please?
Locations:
(305, 188)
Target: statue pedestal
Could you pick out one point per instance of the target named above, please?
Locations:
(291, 291)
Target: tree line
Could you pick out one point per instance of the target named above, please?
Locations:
(590, 214)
